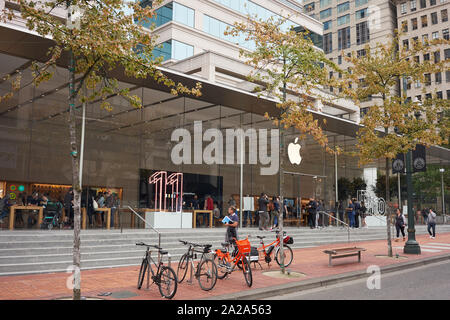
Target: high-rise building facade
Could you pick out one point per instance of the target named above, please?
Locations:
(422, 20)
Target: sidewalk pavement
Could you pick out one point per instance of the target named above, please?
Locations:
(312, 263)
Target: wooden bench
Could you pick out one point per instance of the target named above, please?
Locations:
(343, 252)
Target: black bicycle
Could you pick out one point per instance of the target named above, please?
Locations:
(206, 271)
(164, 276)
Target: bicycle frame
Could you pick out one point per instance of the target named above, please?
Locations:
(227, 257)
(148, 256)
(192, 252)
(275, 244)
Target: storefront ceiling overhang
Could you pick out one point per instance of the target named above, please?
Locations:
(32, 47)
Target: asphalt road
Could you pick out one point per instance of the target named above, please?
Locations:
(431, 282)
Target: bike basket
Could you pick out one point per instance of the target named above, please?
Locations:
(288, 240)
(243, 246)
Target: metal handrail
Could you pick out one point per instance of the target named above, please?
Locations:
(348, 227)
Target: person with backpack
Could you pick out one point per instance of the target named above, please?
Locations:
(263, 201)
(400, 223)
(4, 207)
(431, 221)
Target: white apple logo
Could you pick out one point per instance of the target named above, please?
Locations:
(294, 152)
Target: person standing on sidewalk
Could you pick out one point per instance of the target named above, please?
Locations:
(231, 235)
(431, 221)
(276, 212)
(363, 215)
(357, 212)
(311, 208)
(351, 213)
(400, 223)
(263, 201)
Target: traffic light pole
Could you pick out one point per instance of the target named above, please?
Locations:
(411, 246)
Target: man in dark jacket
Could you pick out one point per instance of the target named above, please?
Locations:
(263, 201)
(311, 208)
(357, 212)
(68, 205)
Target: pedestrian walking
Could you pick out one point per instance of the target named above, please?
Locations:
(400, 223)
(263, 201)
(276, 212)
(363, 211)
(231, 233)
(431, 222)
(357, 212)
(312, 208)
(351, 213)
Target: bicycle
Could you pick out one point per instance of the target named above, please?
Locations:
(226, 263)
(164, 277)
(266, 254)
(206, 271)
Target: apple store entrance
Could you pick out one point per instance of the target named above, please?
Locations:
(123, 146)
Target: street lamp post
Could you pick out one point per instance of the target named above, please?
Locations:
(442, 170)
(411, 246)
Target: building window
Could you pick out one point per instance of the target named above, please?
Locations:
(448, 94)
(363, 112)
(406, 44)
(434, 18)
(435, 35)
(412, 5)
(432, 2)
(361, 53)
(445, 34)
(423, 4)
(362, 33)
(405, 26)
(328, 42)
(403, 8)
(339, 59)
(173, 49)
(414, 23)
(324, 3)
(438, 77)
(444, 15)
(360, 14)
(325, 13)
(360, 2)
(427, 79)
(164, 50)
(424, 20)
(309, 7)
(343, 7)
(327, 25)
(426, 57)
(343, 20)
(217, 28)
(439, 95)
(172, 11)
(424, 38)
(447, 54)
(344, 38)
(437, 56)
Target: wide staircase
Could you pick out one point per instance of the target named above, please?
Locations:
(47, 251)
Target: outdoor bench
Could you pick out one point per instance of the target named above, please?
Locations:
(343, 252)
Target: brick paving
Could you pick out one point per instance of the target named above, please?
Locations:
(312, 262)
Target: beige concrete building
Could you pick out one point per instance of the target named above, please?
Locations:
(421, 20)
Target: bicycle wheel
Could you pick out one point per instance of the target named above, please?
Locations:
(207, 274)
(288, 255)
(222, 267)
(247, 271)
(182, 268)
(142, 271)
(167, 283)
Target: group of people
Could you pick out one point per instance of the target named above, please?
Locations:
(35, 199)
(207, 204)
(92, 202)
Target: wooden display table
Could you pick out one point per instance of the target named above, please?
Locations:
(12, 212)
(108, 217)
(194, 216)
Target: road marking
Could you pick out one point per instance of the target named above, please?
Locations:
(421, 248)
(435, 247)
(442, 244)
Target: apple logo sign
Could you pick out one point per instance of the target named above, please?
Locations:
(294, 152)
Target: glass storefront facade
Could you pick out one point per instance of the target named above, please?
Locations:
(124, 145)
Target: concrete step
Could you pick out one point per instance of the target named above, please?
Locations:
(28, 252)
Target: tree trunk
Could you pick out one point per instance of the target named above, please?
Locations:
(75, 183)
(281, 182)
(388, 211)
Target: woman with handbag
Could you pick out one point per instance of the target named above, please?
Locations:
(400, 223)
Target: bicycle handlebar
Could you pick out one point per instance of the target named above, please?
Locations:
(194, 244)
(148, 245)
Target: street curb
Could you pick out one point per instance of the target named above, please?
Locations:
(298, 286)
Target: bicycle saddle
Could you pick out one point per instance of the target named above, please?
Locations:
(261, 237)
(163, 252)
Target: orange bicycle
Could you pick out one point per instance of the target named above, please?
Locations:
(265, 251)
(227, 262)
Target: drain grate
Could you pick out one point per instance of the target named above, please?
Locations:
(123, 295)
